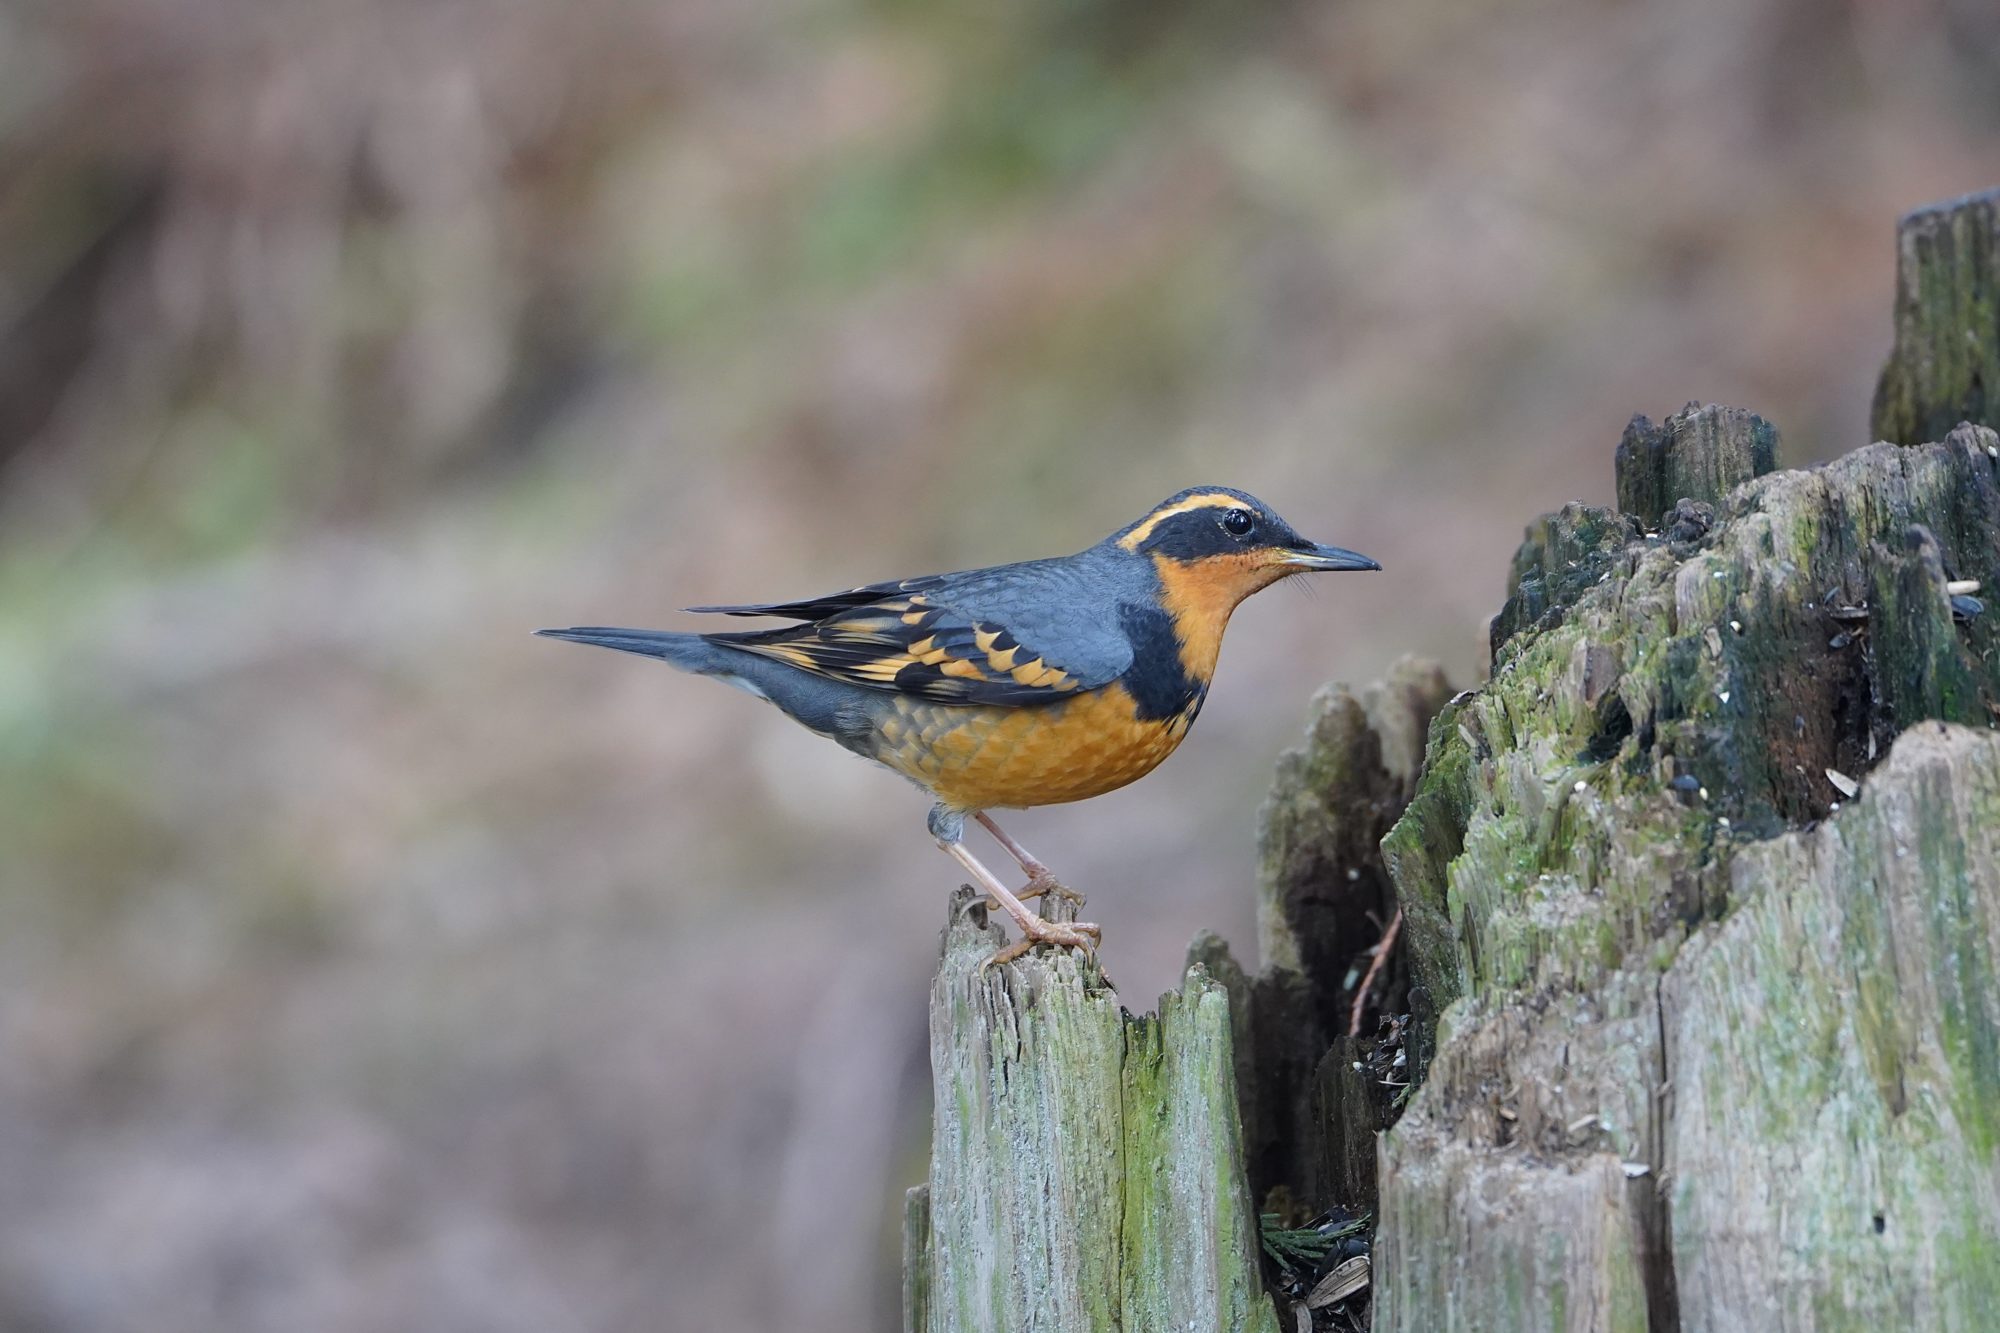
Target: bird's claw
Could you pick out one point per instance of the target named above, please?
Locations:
(1038, 888)
(1063, 934)
(1046, 883)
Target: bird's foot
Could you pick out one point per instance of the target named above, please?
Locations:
(1046, 883)
(1034, 929)
(1041, 879)
(1063, 934)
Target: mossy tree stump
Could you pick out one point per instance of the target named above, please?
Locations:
(1946, 364)
(1086, 1165)
(1703, 883)
(1699, 946)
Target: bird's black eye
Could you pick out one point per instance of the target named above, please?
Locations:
(1238, 522)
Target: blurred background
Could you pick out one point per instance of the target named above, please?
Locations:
(366, 964)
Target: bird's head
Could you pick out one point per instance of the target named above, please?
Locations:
(1213, 547)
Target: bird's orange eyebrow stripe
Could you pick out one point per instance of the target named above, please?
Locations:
(1132, 540)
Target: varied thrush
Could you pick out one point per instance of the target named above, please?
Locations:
(1019, 685)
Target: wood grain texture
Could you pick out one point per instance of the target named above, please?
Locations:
(1323, 898)
(1699, 453)
(1946, 364)
(1833, 1152)
(1086, 1165)
(1708, 1017)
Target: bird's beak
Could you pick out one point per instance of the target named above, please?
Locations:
(1311, 555)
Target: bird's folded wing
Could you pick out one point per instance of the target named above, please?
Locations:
(819, 608)
(914, 645)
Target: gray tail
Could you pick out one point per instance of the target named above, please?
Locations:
(831, 707)
(689, 652)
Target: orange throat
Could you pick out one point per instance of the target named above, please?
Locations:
(1202, 594)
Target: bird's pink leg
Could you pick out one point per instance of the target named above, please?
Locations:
(1041, 879)
(1034, 930)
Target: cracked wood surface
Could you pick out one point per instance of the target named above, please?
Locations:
(1719, 1046)
(1086, 1165)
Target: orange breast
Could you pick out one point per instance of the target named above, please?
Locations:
(981, 757)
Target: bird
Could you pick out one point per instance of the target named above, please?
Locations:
(1017, 685)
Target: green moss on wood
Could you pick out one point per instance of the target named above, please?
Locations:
(1190, 1251)
(1659, 715)
(1946, 364)
(1699, 454)
(1832, 1049)
(917, 1259)
(1086, 1166)
(1547, 845)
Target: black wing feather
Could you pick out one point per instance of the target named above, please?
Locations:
(904, 644)
(819, 608)
(1013, 635)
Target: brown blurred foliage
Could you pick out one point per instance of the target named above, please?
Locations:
(369, 965)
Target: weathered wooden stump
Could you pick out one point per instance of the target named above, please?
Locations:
(1721, 1043)
(1699, 945)
(1699, 453)
(1946, 365)
(1086, 1165)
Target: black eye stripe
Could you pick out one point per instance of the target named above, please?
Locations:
(1196, 534)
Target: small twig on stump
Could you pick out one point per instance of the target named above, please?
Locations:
(1374, 970)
